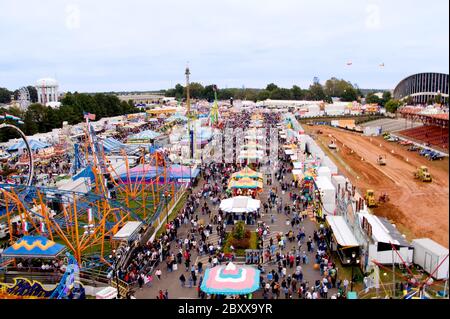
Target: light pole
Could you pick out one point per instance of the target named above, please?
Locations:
(166, 197)
(115, 258)
(354, 261)
(89, 230)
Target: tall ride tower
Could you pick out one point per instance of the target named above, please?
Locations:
(188, 99)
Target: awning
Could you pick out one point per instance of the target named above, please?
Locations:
(128, 231)
(342, 233)
(297, 165)
(34, 247)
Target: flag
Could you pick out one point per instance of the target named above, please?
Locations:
(349, 63)
(382, 64)
(89, 116)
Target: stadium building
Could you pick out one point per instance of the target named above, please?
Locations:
(423, 87)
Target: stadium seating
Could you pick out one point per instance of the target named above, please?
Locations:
(433, 135)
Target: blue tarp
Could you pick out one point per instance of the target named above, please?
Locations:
(34, 145)
(112, 145)
(34, 246)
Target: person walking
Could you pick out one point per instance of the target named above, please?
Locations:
(182, 280)
(158, 273)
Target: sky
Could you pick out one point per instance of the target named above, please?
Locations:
(142, 45)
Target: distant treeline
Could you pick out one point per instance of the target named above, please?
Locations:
(333, 87)
(40, 119)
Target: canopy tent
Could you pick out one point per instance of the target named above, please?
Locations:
(251, 154)
(146, 173)
(177, 117)
(298, 174)
(34, 145)
(342, 233)
(231, 280)
(297, 165)
(240, 204)
(245, 183)
(289, 152)
(247, 172)
(34, 247)
(145, 135)
(111, 145)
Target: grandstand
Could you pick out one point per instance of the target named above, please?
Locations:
(430, 134)
(391, 125)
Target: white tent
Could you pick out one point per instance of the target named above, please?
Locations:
(240, 204)
(342, 233)
(106, 293)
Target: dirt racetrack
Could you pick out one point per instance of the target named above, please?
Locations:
(418, 209)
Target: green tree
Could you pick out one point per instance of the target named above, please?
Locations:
(297, 93)
(5, 95)
(316, 92)
(281, 94)
(33, 94)
(263, 95)
(392, 105)
(271, 87)
(371, 98)
(386, 97)
(349, 95)
(438, 98)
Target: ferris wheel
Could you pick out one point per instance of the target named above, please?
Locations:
(24, 98)
(30, 161)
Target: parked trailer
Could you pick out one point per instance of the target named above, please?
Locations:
(432, 257)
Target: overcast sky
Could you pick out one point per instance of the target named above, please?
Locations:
(106, 45)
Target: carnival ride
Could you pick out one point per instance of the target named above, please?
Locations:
(419, 284)
(69, 286)
(85, 222)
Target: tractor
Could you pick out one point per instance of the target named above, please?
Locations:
(423, 174)
(370, 198)
(381, 160)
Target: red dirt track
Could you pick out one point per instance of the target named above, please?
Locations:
(418, 209)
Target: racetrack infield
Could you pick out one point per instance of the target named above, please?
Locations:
(418, 209)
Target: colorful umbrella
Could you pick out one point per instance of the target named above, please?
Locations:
(230, 280)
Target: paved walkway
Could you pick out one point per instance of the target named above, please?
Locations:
(171, 282)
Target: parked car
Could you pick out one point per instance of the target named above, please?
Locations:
(413, 148)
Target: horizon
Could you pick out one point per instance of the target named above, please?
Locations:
(232, 44)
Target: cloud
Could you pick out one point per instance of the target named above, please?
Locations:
(142, 45)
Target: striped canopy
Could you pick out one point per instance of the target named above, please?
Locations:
(247, 172)
(34, 145)
(245, 183)
(231, 280)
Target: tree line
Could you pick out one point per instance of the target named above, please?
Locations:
(40, 119)
(333, 87)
